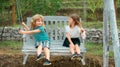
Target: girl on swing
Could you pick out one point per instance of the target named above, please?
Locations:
(41, 37)
(73, 31)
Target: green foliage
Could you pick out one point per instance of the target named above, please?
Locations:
(49, 7)
(117, 1)
(5, 5)
(5, 10)
(95, 24)
(93, 5)
(44, 7)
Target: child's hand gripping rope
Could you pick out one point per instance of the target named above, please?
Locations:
(25, 26)
(83, 34)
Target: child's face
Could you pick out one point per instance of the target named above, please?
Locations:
(39, 22)
(70, 20)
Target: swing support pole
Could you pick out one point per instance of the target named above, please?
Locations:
(105, 35)
(110, 18)
(114, 32)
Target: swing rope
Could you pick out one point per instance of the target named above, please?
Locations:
(19, 16)
(19, 11)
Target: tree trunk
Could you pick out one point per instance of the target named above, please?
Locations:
(13, 13)
(115, 8)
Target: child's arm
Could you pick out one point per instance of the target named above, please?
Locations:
(68, 34)
(82, 30)
(69, 38)
(83, 34)
(29, 32)
(26, 27)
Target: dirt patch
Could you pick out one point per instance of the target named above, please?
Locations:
(10, 60)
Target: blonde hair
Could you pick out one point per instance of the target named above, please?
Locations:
(76, 19)
(35, 18)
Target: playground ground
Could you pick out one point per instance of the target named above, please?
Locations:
(11, 56)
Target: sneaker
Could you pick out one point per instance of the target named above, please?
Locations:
(39, 57)
(74, 56)
(47, 62)
(79, 56)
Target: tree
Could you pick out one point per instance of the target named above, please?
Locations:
(13, 13)
(44, 7)
(93, 5)
(5, 12)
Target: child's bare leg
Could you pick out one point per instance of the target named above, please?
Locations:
(39, 50)
(77, 48)
(47, 56)
(72, 49)
(47, 53)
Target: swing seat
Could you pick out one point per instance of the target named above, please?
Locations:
(55, 29)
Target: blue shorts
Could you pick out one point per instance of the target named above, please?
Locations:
(43, 44)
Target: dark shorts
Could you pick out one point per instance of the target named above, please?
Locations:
(75, 41)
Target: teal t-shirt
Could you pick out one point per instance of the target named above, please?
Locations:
(42, 35)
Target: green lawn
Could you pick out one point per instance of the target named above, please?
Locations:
(11, 44)
(91, 25)
(96, 49)
(10, 47)
(92, 48)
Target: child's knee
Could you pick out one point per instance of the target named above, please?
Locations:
(76, 45)
(40, 46)
(46, 48)
(71, 46)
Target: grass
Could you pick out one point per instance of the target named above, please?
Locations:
(96, 25)
(11, 44)
(92, 48)
(16, 26)
(10, 47)
(90, 25)
(96, 49)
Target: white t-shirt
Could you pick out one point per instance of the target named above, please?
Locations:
(75, 32)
